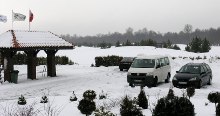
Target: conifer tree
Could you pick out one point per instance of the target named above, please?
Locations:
(128, 108)
(21, 100)
(190, 91)
(117, 44)
(86, 106)
(142, 100)
(44, 99)
(205, 45)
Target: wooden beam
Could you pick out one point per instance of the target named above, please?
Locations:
(51, 64)
(31, 63)
(8, 64)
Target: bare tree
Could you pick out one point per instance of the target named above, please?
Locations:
(188, 28)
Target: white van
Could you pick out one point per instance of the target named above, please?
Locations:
(149, 70)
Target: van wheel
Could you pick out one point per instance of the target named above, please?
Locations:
(167, 80)
(121, 69)
(155, 82)
(132, 85)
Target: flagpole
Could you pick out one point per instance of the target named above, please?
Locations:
(12, 19)
(29, 20)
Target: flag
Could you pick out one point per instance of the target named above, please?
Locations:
(3, 18)
(31, 16)
(18, 17)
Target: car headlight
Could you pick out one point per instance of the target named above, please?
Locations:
(129, 73)
(193, 79)
(150, 73)
(174, 78)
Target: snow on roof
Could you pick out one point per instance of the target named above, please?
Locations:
(28, 39)
(144, 56)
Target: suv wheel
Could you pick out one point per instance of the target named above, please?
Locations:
(199, 84)
(167, 79)
(155, 82)
(210, 81)
(121, 69)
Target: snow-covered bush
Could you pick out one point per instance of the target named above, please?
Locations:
(103, 95)
(44, 99)
(73, 97)
(21, 100)
(142, 100)
(128, 108)
(16, 110)
(86, 106)
(214, 97)
(89, 94)
(102, 112)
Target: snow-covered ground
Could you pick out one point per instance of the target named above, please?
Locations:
(81, 77)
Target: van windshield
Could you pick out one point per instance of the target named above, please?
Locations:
(143, 63)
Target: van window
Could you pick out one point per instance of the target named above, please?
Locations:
(158, 62)
(162, 61)
(202, 69)
(143, 63)
(167, 61)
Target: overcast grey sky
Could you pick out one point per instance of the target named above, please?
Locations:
(90, 17)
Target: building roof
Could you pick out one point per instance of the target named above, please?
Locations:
(17, 39)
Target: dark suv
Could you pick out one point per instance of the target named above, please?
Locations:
(125, 63)
(193, 74)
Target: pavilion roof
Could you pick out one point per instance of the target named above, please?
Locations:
(20, 39)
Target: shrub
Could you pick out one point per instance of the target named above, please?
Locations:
(186, 108)
(107, 60)
(128, 108)
(142, 100)
(170, 94)
(86, 106)
(101, 112)
(73, 97)
(198, 57)
(218, 110)
(98, 61)
(21, 100)
(173, 58)
(175, 47)
(173, 106)
(103, 95)
(190, 91)
(214, 97)
(44, 99)
(89, 94)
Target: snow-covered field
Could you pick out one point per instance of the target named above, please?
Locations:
(81, 77)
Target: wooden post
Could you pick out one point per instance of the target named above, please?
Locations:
(31, 63)
(8, 64)
(51, 64)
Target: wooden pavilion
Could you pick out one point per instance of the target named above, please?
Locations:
(31, 42)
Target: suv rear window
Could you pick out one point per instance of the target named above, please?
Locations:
(127, 59)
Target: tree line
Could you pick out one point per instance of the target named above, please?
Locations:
(182, 37)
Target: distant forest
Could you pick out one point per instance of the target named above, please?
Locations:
(183, 37)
